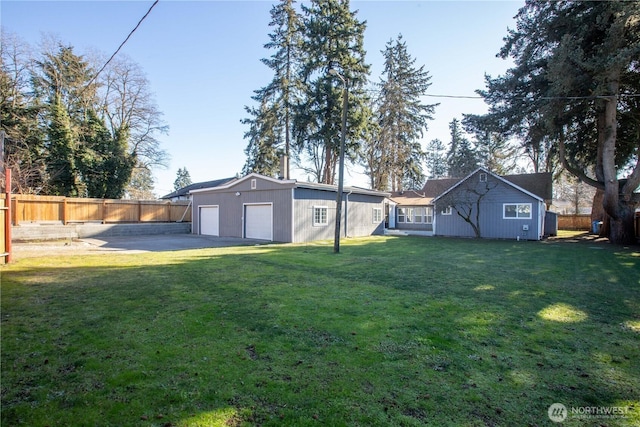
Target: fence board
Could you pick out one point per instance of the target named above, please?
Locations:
(574, 222)
(31, 208)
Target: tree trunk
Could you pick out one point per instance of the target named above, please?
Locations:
(622, 228)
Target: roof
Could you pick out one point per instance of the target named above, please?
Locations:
(184, 191)
(410, 198)
(530, 181)
(296, 184)
(539, 185)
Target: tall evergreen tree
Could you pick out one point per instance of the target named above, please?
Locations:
(575, 80)
(436, 159)
(103, 161)
(61, 155)
(183, 178)
(270, 124)
(462, 158)
(333, 40)
(402, 118)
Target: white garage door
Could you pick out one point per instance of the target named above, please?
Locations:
(258, 222)
(209, 220)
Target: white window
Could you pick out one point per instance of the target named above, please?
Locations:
(253, 184)
(446, 211)
(377, 215)
(320, 215)
(517, 211)
(402, 214)
(428, 215)
(409, 214)
(483, 177)
(418, 214)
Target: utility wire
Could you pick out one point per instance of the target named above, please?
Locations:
(122, 44)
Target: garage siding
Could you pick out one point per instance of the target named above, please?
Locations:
(357, 209)
(231, 207)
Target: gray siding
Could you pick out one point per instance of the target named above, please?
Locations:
(492, 223)
(231, 207)
(357, 215)
(292, 210)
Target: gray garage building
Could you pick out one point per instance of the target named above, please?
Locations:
(260, 207)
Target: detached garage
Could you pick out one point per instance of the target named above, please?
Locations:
(264, 208)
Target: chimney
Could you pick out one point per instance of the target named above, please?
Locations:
(284, 167)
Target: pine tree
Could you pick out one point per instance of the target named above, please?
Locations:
(183, 178)
(333, 40)
(436, 159)
(401, 119)
(61, 152)
(270, 124)
(462, 159)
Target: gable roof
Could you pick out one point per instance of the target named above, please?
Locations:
(184, 191)
(296, 184)
(500, 178)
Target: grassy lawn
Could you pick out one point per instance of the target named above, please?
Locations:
(391, 332)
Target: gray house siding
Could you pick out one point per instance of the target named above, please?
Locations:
(360, 222)
(292, 210)
(357, 215)
(232, 207)
(305, 200)
(492, 222)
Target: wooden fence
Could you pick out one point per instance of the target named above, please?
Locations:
(30, 208)
(574, 222)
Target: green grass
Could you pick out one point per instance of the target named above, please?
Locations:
(390, 332)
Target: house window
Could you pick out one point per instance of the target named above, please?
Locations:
(253, 184)
(517, 211)
(409, 215)
(483, 177)
(402, 214)
(428, 215)
(320, 215)
(418, 214)
(377, 215)
(446, 211)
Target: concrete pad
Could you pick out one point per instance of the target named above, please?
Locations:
(129, 244)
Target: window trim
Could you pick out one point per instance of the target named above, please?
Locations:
(402, 213)
(517, 210)
(326, 216)
(483, 177)
(254, 184)
(447, 211)
(377, 215)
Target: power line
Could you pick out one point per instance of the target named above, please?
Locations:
(123, 43)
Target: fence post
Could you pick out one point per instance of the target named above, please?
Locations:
(64, 211)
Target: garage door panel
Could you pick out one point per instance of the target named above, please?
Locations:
(259, 222)
(210, 220)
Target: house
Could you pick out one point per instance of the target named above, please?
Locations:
(183, 193)
(283, 210)
(414, 209)
(481, 204)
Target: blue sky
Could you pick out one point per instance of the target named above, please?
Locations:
(202, 59)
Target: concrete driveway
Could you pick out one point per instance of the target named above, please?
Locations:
(128, 244)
